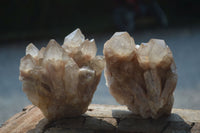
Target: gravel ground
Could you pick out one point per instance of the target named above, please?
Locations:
(184, 43)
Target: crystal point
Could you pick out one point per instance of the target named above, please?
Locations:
(59, 80)
(89, 48)
(153, 53)
(146, 81)
(53, 51)
(120, 44)
(27, 63)
(32, 50)
(80, 49)
(74, 40)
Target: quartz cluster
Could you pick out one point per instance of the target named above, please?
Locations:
(143, 77)
(61, 80)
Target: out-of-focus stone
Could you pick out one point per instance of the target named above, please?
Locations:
(59, 80)
(143, 77)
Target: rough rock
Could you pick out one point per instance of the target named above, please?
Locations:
(59, 80)
(143, 77)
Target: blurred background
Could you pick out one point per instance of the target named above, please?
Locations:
(36, 21)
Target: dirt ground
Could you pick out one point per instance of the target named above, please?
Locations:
(184, 43)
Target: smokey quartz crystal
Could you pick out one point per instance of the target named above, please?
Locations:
(142, 77)
(61, 80)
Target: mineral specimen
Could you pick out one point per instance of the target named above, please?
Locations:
(143, 77)
(59, 80)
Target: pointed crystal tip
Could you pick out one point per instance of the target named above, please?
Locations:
(59, 80)
(143, 77)
(74, 39)
(32, 50)
(121, 44)
(53, 51)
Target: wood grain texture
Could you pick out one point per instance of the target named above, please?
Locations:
(103, 118)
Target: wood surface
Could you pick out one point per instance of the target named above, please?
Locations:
(103, 118)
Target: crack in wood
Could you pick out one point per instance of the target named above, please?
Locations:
(20, 115)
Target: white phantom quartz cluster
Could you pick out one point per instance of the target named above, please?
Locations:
(143, 77)
(59, 80)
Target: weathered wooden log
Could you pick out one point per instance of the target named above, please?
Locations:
(103, 118)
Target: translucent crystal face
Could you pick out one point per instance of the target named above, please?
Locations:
(75, 39)
(121, 45)
(154, 53)
(78, 48)
(59, 80)
(143, 77)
